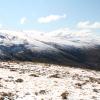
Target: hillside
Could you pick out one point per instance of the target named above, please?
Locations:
(35, 81)
(57, 47)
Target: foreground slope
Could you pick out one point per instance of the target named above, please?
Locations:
(58, 47)
(34, 81)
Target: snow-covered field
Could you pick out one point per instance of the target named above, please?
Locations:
(36, 81)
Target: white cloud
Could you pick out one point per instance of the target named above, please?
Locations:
(0, 25)
(88, 25)
(23, 20)
(50, 18)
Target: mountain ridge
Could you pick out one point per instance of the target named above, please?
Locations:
(58, 47)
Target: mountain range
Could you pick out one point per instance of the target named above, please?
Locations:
(57, 47)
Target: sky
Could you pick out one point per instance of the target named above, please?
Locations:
(47, 15)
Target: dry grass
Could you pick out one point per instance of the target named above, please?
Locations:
(64, 95)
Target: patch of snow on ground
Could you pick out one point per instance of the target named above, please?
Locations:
(35, 81)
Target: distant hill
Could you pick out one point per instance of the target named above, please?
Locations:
(58, 47)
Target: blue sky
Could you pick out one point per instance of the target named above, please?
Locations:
(47, 15)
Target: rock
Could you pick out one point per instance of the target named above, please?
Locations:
(19, 80)
(64, 95)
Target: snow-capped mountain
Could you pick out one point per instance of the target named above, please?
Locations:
(60, 46)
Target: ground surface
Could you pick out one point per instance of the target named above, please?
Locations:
(34, 81)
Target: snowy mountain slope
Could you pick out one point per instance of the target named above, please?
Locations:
(36, 81)
(60, 47)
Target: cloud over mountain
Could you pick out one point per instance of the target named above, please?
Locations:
(88, 25)
(23, 20)
(51, 18)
